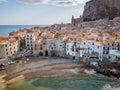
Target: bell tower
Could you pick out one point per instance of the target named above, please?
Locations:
(72, 20)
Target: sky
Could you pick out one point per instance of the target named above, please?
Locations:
(39, 12)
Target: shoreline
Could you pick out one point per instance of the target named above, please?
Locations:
(39, 68)
(7, 85)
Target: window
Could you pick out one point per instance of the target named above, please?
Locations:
(118, 48)
(9, 44)
(118, 44)
(6, 49)
(76, 50)
(98, 47)
(92, 43)
(103, 52)
(107, 52)
(104, 48)
(6, 53)
(6, 45)
(41, 48)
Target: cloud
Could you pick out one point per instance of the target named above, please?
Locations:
(35, 2)
(1, 1)
(55, 2)
(69, 2)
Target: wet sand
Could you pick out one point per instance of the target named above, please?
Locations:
(40, 67)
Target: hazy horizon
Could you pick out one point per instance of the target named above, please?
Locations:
(37, 12)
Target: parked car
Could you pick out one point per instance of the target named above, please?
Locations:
(9, 63)
(1, 67)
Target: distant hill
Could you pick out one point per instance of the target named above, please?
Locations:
(99, 9)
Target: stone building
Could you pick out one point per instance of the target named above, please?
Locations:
(76, 21)
(9, 48)
(38, 48)
(55, 48)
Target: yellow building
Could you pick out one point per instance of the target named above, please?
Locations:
(8, 48)
(38, 48)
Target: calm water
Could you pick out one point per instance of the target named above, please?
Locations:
(68, 83)
(5, 29)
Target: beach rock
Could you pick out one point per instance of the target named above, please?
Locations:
(90, 71)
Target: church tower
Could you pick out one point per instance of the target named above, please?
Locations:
(72, 20)
(81, 18)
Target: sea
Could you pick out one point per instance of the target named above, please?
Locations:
(68, 83)
(6, 29)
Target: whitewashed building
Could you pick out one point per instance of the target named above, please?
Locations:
(111, 51)
(84, 49)
(87, 49)
(71, 49)
(29, 40)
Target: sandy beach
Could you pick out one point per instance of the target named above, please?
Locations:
(40, 67)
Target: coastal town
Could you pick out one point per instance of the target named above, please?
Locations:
(94, 43)
(90, 42)
(60, 49)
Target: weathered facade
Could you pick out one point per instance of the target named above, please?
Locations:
(111, 51)
(76, 21)
(8, 48)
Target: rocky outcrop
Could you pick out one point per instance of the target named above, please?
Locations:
(99, 9)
